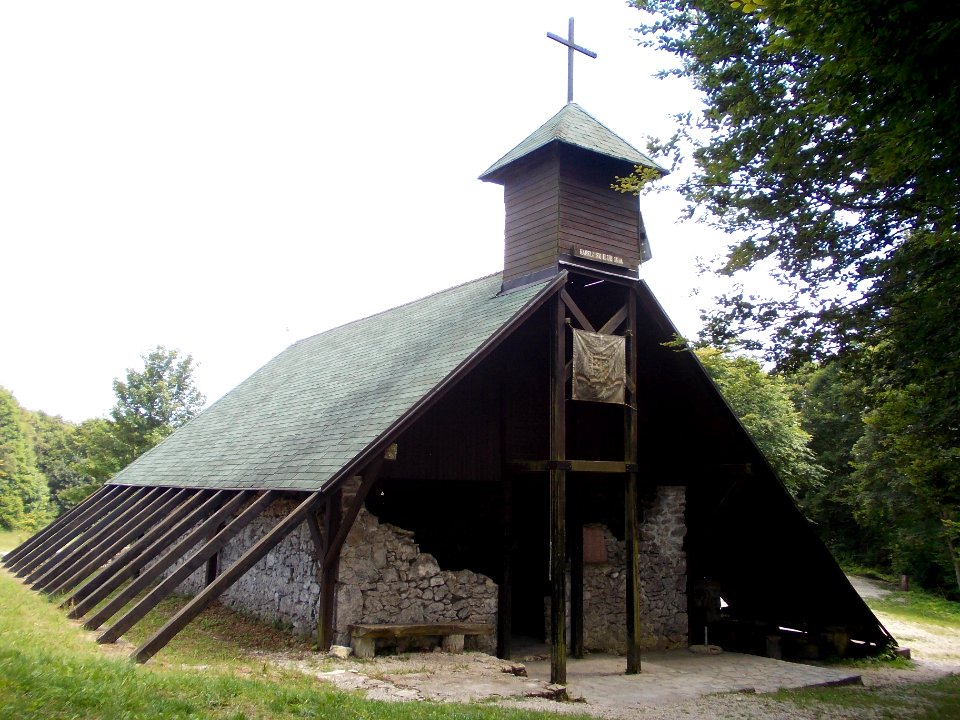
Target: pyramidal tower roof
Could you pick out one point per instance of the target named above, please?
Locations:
(574, 126)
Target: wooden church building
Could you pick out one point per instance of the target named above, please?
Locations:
(518, 458)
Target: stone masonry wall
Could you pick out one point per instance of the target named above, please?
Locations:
(282, 587)
(663, 582)
(384, 578)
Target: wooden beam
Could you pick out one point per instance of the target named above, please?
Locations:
(181, 573)
(614, 323)
(35, 540)
(28, 561)
(576, 312)
(558, 500)
(120, 564)
(193, 608)
(178, 547)
(591, 466)
(505, 588)
(332, 517)
(96, 559)
(575, 537)
(370, 476)
(91, 536)
(631, 524)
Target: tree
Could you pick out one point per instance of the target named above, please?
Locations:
(23, 490)
(829, 146)
(153, 402)
(830, 139)
(763, 404)
(55, 447)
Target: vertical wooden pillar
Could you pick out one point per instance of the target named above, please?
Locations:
(558, 498)
(505, 590)
(332, 514)
(576, 572)
(631, 525)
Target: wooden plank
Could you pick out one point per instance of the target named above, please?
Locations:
(120, 563)
(614, 323)
(370, 476)
(65, 536)
(558, 507)
(133, 514)
(131, 530)
(329, 572)
(577, 313)
(178, 547)
(181, 573)
(419, 629)
(193, 608)
(631, 521)
(90, 537)
(38, 538)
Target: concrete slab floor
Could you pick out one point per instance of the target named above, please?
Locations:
(678, 675)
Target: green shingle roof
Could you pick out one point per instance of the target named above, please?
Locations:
(575, 126)
(305, 415)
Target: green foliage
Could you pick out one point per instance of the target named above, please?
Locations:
(23, 490)
(829, 146)
(153, 402)
(763, 404)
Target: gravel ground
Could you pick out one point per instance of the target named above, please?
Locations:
(476, 677)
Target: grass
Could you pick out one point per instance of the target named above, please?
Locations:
(919, 606)
(9, 539)
(921, 701)
(50, 668)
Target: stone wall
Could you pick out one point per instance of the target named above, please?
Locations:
(281, 588)
(663, 582)
(384, 578)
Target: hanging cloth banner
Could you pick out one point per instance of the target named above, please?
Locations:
(599, 367)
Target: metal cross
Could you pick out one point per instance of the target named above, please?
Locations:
(570, 48)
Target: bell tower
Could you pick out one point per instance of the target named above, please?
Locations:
(560, 208)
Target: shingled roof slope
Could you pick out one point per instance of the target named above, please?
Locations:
(575, 126)
(307, 413)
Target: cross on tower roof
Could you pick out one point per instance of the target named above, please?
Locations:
(570, 48)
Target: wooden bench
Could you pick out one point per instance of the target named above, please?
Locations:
(363, 637)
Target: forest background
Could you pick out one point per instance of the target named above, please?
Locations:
(829, 148)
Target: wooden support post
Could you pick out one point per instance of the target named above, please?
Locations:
(178, 547)
(631, 526)
(102, 527)
(130, 530)
(123, 564)
(505, 589)
(64, 535)
(576, 574)
(253, 555)
(173, 580)
(558, 499)
(35, 540)
(328, 572)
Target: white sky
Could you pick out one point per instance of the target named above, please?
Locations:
(229, 177)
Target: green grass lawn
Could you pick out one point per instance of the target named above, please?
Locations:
(50, 668)
(9, 539)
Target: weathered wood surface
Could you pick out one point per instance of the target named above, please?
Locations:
(177, 549)
(419, 629)
(229, 576)
(143, 551)
(37, 539)
(631, 520)
(558, 500)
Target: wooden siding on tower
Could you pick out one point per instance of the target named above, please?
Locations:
(532, 201)
(594, 216)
